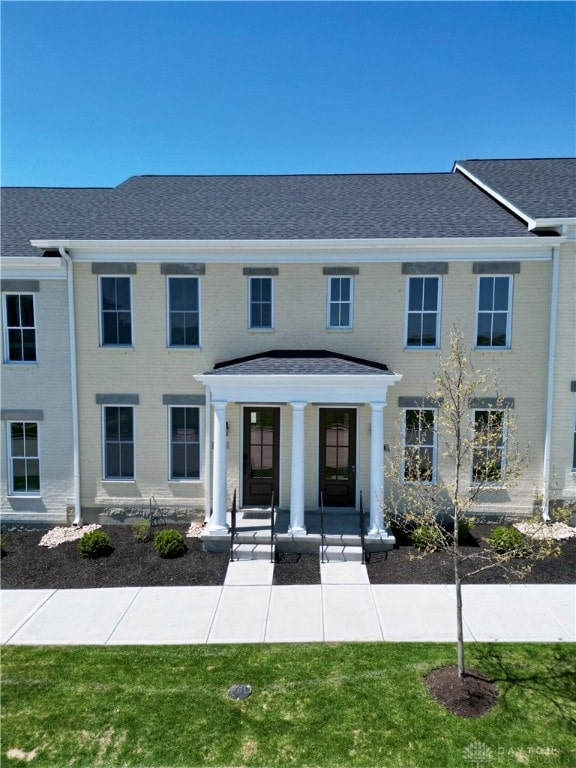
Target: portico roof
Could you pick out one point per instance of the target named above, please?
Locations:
(315, 375)
(308, 362)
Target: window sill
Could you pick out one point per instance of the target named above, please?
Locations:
(421, 349)
(492, 349)
(122, 347)
(24, 495)
(123, 480)
(20, 362)
(183, 348)
(196, 481)
(261, 330)
(339, 330)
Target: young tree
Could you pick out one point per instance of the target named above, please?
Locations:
(468, 422)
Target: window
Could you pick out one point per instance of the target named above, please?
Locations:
(19, 328)
(184, 443)
(116, 311)
(423, 312)
(183, 312)
(24, 459)
(493, 323)
(488, 460)
(339, 302)
(118, 442)
(260, 300)
(419, 446)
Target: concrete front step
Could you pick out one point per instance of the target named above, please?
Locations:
(252, 551)
(341, 554)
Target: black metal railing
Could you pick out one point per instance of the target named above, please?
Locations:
(321, 527)
(232, 526)
(362, 529)
(272, 558)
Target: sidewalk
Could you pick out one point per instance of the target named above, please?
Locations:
(248, 609)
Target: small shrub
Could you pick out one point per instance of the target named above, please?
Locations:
(507, 541)
(465, 525)
(170, 543)
(426, 537)
(141, 530)
(94, 544)
(561, 514)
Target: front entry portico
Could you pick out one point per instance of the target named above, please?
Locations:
(312, 384)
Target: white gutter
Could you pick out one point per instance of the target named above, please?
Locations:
(550, 384)
(73, 384)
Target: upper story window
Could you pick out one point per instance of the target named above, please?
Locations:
(24, 458)
(183, 312)
(184, 443)
(494, 310)
(261, 303)
(115, 312)
(488, 460)
(419, 445)
(423, 314)
(118, 442)
(340, 302)
(19, 328)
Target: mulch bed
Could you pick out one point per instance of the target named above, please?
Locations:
(25, 565)
(470, 696)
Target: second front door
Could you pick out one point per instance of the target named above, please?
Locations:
(261, 455)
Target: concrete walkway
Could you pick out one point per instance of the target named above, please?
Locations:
(248, 609)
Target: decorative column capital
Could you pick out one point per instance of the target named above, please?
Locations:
(378, 407)
(219, 405)
(298, 405)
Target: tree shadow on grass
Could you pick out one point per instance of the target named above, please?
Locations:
(554, 681)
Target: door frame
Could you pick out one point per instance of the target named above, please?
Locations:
(338, 407)
(267, 406)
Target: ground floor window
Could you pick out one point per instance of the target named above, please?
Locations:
(118, 442)
(24, 458)
(419, 445)
(184, 443)
(488, 461)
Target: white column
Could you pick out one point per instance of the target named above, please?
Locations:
(297, 475)
(207, 457)
(376, 468)
(219, 489)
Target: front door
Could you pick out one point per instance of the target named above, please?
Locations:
(261, 455)
(338, 457)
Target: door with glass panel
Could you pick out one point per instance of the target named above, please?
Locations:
(338, 457)
(261, 455)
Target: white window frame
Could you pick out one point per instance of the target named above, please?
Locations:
(7, 328)
(11, 457)
(422, 312)
(433, 445)
(169, 312)
(101, 313)
(171, 477)
(251, 327)
(496, 483)
(492, 312)
(113, 479)
(329, 303)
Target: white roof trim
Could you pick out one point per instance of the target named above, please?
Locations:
(271, 388)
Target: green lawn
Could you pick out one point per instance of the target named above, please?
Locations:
(323, 705)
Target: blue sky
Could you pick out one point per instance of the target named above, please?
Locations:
(94, 92)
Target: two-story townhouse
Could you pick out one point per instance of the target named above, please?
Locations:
(39, 469)
(271, 335)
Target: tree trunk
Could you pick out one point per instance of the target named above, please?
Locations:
(459, 627)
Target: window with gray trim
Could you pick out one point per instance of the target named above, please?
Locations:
(488, 456)
(183, 312)
(419, 445)
(184, 443)
(115, 312)
(340, 297)
(118, 442)
(24, 458)
(260, 300)
(19, 328)
(423, 312)
(493, 317)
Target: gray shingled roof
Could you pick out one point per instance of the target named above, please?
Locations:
(256, 207)
(540, 187)
(315, 362)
